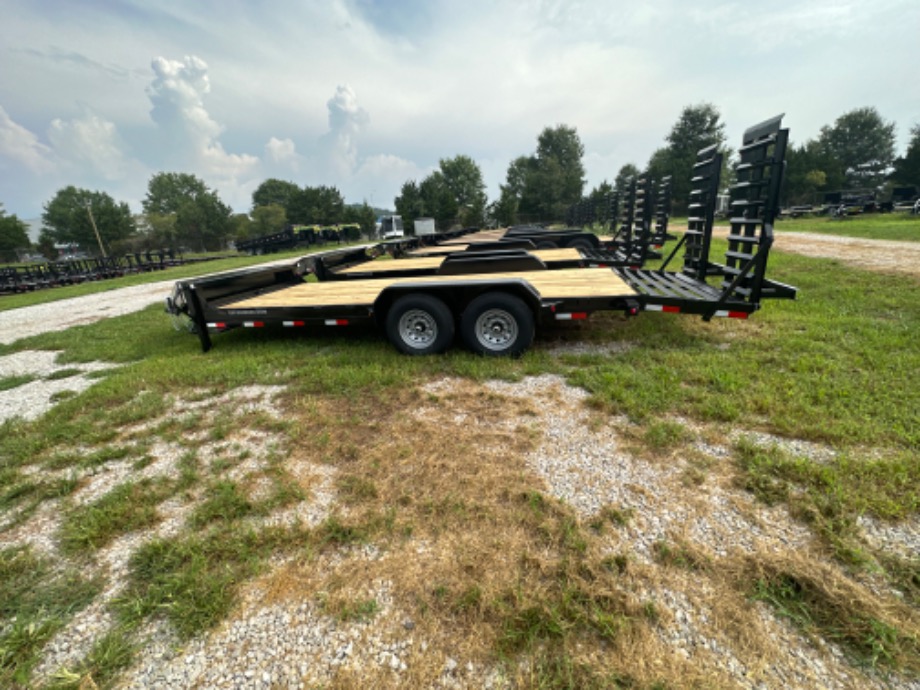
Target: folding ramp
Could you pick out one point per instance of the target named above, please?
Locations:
(754, 206)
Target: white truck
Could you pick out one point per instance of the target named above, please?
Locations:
(424, 226)
(390, 227)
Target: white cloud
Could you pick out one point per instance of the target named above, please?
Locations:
(92, 142)
(379, 178)
(347, 120)
(177, 94)
(282, 152)
(22, 147)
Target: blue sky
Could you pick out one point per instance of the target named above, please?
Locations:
(366, 94)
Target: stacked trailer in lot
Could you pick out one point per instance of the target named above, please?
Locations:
(662, 215)
(754, 206)
(496, 312)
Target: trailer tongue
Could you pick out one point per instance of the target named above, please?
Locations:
(496, 298)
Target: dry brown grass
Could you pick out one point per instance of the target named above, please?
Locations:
(438, 513)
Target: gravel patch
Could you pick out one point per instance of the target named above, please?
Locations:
(33, 399)
(79, 311)
(587, 466)
(883, 256)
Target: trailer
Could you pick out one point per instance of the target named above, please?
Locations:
(494, 300)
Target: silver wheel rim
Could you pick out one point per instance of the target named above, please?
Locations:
(418, 329)
(496, 329)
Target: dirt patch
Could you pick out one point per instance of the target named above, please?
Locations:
(884, 256)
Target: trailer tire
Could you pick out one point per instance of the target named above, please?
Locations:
(497, 324)
(420, 325)
(581, 243)
(547, 244)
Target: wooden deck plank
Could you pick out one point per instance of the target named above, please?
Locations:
(565, 283)
(418, 263)
(438, 249)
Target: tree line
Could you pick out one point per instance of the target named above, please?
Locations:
(181, 211)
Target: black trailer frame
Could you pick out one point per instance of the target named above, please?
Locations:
(497, 309)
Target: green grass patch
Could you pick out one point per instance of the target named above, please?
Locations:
(110, 655)
(127, 507)
(354, 489)
(679, 555)
(875, 226)
(224, 502)
(193, 580)
(831, 494)
(66, 373)
(661, 435)
(41, 596)
(10, 382)
(28, 494)
(836, 366)
(818, 609)
(359, 611)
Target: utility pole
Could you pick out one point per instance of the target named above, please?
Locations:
(89, 210)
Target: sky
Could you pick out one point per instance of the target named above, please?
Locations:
(365, 95)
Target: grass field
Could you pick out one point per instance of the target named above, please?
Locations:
(527, 585)
(902, 227)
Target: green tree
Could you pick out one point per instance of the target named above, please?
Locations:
(46, 245)
(811, 170)
(598, 198)
(241, 227)
(159, 230)
(463, 178)
(14, 234)
(907, 167)
(364, 216)
(506, 210)
(166, 192)
(697, 127)
(409, 204)
(274, 192)
(70, 215)
(316, 206)
(438, 200)
(556, 178)
(202, 219)
(863, 143)
(268, 219)
(629, 171)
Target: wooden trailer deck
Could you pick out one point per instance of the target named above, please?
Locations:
(420, 263)
(562, 284)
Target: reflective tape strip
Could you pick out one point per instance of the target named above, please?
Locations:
(253, 324)
(336, 322)
(294, 323)
(662, 307)
(574, 316)
(217, 325)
